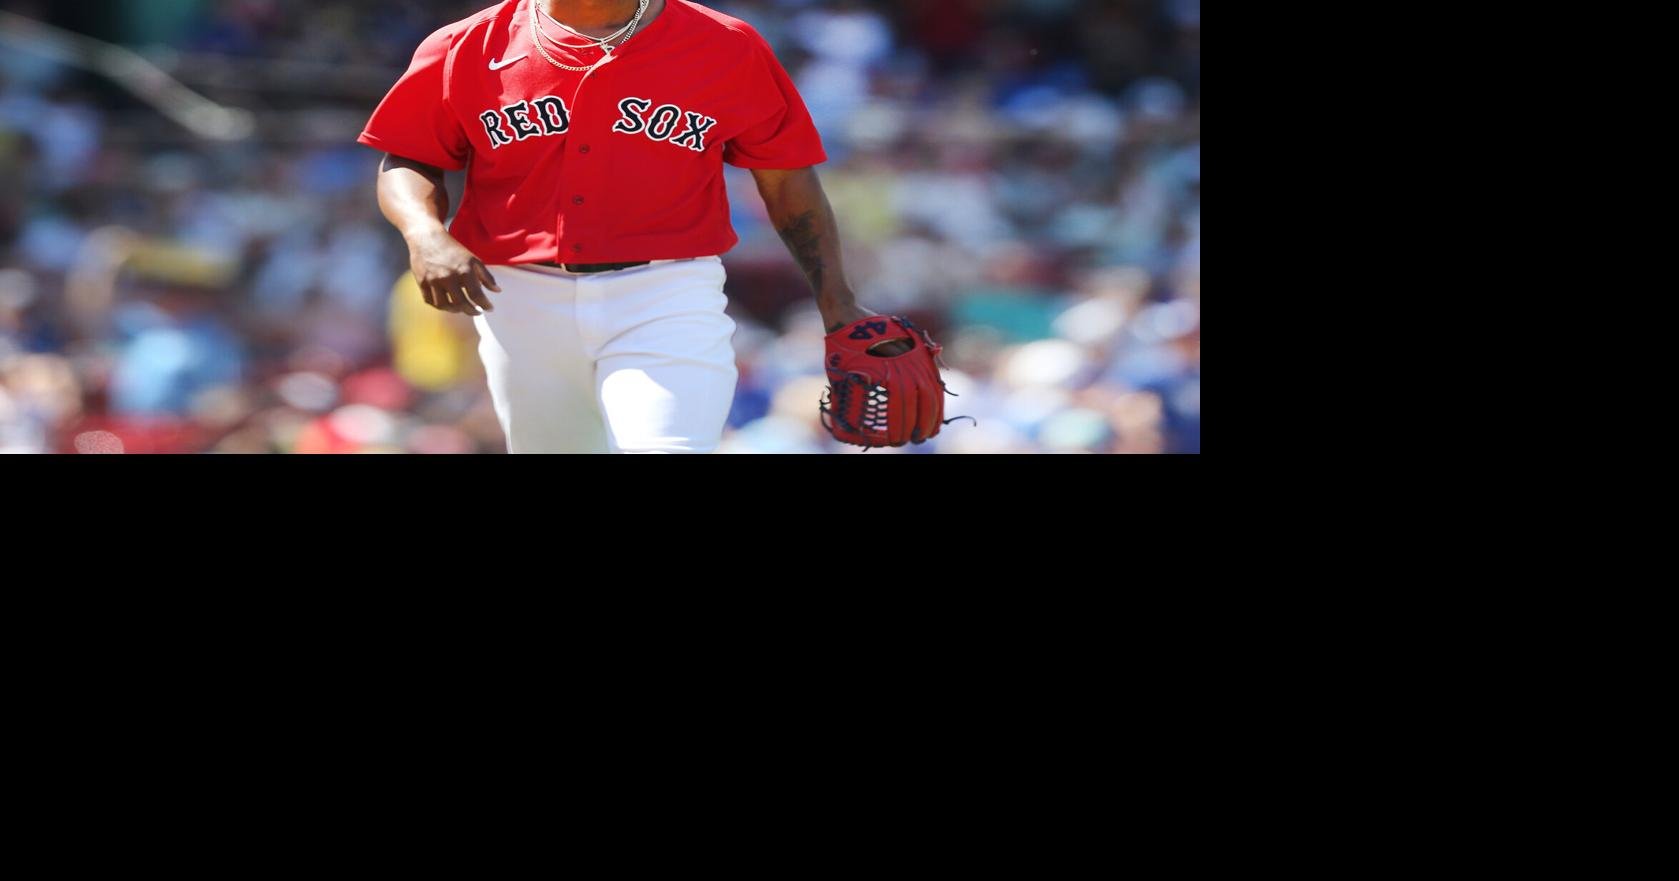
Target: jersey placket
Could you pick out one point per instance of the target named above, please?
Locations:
(582, 230)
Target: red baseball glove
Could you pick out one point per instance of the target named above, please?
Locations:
(878, 400)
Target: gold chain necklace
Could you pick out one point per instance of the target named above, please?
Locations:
(537, 36)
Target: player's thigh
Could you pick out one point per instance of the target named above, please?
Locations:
(543, 412)
(666, 384)
(541, 381)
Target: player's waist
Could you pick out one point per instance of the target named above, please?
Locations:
(585, 268)
(591, 267)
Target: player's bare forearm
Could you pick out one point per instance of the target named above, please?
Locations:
(800, 211)
(414, 199)
(412, 196)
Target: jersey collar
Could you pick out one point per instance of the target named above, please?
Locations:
(644, 38)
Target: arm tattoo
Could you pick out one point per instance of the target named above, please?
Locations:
(805, 241)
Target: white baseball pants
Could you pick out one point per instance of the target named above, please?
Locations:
(637, 360)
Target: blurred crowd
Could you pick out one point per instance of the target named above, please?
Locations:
(1020, 178)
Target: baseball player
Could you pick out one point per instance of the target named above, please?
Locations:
(586, 245)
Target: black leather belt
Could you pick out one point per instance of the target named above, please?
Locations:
(594, 267)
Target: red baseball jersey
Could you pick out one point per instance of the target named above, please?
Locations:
(622, 162)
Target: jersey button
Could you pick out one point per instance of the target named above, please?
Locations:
(576, 200)
(583, 149)
(576, 248)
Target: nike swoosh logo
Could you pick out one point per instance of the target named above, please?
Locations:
(498, 65)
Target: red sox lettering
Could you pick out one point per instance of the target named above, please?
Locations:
(662, 124)
(519, 121)
(549, 115)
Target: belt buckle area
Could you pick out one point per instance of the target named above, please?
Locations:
(602, 267)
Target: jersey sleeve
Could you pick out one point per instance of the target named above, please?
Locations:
(414, 120)
(784, 136)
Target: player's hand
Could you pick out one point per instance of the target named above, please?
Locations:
(450, 277)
